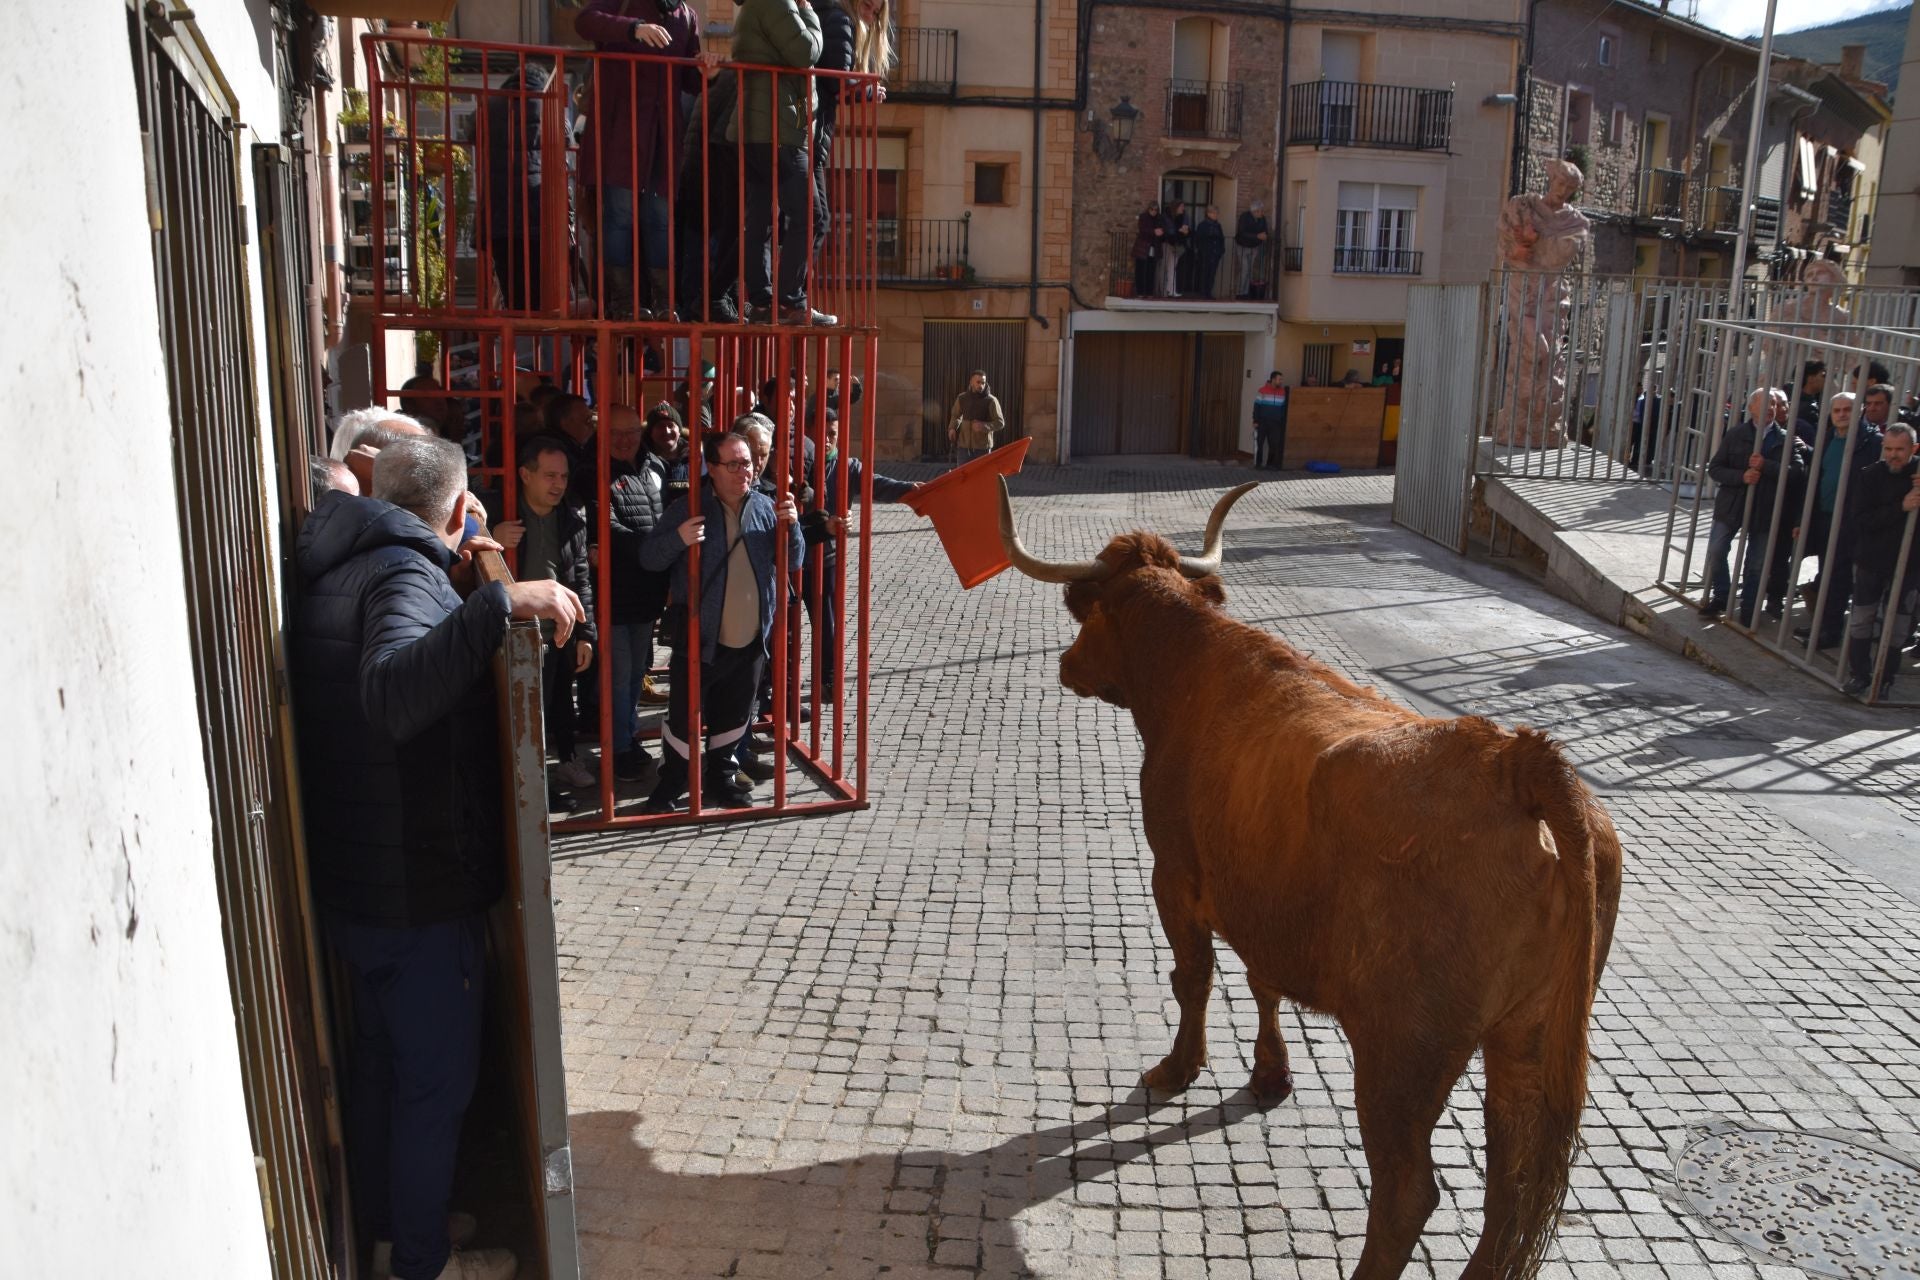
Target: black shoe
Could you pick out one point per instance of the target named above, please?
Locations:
(758, 767)
(726, 791)
(722, 311)
(667, 790)
(1713, 608)
(559, 801)
(1856, 687)
(1774, 610)
(632, 764)
(759, 315)
(759, 743)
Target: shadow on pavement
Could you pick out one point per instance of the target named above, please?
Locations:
(902, 1213)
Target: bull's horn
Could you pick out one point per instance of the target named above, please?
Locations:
(1208, 561)
(1034, 567)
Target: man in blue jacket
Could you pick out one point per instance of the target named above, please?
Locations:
(400, 779)
(739, 574)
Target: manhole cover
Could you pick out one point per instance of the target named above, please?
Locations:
(1832, 1204)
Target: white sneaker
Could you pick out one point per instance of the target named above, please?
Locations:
(461, 1229)
(574, 776)
(481, 1264)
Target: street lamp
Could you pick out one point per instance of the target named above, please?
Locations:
(1110, 140)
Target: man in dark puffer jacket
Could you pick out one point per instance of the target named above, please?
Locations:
(637, 495)
(399, 769)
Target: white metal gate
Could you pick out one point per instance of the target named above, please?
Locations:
(1440, 409)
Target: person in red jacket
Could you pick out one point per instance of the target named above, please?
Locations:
(634, 124)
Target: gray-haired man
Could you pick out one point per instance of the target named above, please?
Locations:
(400, 777)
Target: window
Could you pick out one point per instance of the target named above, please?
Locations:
(1373, 228)
(989, 184)
(1657, 48)
(1606, 51)
(1579, 118)
(1195, 188)
(1617, 127)
(1316, 364)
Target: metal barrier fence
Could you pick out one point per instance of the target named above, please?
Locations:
(1789, 515)
(532, 181)
(1606, 362)
(815, 703)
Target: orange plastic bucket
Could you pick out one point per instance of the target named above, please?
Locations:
(964, 505)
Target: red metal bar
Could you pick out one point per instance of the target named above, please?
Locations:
(783, 487)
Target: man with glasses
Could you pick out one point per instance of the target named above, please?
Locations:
(738, 578)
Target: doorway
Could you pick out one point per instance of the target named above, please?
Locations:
(953, 349)
(1168, 393)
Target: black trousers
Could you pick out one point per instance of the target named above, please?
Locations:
(1269, 444)
(556, 699)
(707, 235)
(516, 265)
(788, 174)
(728, 684)
(417, 999)
(1144, 276)
(1836, 574)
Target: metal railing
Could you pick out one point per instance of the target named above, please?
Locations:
(1663, 194)
(1839, 213)
(1343, 113)
(1375, 262)
(1294, 257)
(923, 250)
(1721, 214)
(927, 65)
(1204, 109)
(500, 206)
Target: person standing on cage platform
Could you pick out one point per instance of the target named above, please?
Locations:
(628, 149)
(773, 124)
(738, 578)
(399, 738)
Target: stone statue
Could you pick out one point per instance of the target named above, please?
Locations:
(1539, 238)
(1807, 319)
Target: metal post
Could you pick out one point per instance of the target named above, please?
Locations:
(1756, 121)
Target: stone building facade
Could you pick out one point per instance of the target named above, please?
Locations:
(1654, 109)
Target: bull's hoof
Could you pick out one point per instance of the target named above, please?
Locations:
(1171, 1076)
(1271, 1087)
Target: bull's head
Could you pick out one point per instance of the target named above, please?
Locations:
(1098, 590)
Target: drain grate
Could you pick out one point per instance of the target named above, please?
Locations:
(1831, 1204)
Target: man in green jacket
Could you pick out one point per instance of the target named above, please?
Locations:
(773, 125)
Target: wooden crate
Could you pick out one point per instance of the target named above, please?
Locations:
(1334, 424)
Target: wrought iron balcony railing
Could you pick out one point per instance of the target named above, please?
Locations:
(1663, 195)
(1204, 109)
(928, 63)
(922, 250)
(1722, 213)
(1375, 262)
(1343, 113)
(1235, 278)
(1295, 257)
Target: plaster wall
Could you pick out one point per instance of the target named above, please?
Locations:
(125, 1138)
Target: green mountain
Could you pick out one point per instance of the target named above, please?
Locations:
(1884, 33)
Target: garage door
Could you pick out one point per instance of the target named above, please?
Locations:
(1157, 393)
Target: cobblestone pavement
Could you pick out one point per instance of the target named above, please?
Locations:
(907, 1041)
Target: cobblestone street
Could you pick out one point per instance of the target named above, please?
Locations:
(908, 1041)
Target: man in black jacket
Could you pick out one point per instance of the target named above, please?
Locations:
(1249, 239)
(400, 782)
(637, 596)
(1780, 450)
(551, 540)
(1884, 526)
(1734, 468)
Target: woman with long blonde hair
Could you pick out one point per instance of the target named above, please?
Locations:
(855, 35)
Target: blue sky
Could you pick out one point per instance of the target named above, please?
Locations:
(1744, 17)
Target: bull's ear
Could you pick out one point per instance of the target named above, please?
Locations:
(1211, 588)
(1081, 599)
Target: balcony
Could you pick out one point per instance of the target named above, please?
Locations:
(1663, 195)
(1203, 109)
(1375, 262)
(928, 65)
(922, 250)
(1294, 257)
(1721, 216)
(1766, 220)
(1342, 113)
(1233, 281)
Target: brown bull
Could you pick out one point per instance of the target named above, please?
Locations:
(1437, 886)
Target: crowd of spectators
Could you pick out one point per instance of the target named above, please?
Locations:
(1179, 255)
(1829, 477)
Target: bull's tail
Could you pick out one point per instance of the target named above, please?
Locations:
(1537, 1059)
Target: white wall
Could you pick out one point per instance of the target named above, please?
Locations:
(124, 1138)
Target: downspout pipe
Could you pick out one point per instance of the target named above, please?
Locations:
(1277, 239)
(1039, 162)
(1523, 106)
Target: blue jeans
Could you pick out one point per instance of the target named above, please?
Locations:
(417, 996)
(632, 659)
(1719, 549)
(616, 226)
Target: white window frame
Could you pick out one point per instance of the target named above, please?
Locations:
(1375, 229)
